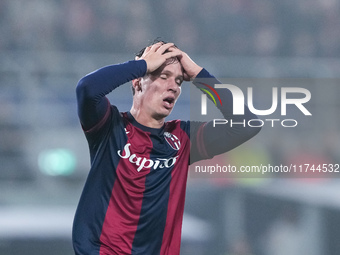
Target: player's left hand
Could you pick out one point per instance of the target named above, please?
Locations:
(190, 68)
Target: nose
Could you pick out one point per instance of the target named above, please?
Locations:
(173, 86)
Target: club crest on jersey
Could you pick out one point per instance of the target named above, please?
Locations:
(172, 140)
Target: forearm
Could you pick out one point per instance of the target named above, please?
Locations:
(222, 138)
(224, 98)
(92, 89)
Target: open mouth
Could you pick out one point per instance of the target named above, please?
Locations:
(169, 102)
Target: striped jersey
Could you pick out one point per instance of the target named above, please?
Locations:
(133, 200)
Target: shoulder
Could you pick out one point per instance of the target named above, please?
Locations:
(112, 120)
(183, 127)
(175, 125)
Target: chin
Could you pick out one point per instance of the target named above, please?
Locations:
(162, 115)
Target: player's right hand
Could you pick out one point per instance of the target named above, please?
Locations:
(155, 57)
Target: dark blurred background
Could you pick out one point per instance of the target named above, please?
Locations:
(47, 46)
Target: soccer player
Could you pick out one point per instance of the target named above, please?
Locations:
(133, 199)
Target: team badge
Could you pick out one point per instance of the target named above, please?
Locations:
(172, 140)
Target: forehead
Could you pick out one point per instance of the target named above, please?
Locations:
(171, 65)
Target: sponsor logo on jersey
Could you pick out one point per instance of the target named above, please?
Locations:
(172, 140)
(142, 162)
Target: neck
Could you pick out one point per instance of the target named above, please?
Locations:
(146, 120)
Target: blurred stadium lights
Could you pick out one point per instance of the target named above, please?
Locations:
(57, 162)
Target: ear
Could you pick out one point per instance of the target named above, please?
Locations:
(136, 83)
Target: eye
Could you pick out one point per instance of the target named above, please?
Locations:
(163, 76)
(179, 82)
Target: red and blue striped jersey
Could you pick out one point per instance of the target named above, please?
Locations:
(133, 199)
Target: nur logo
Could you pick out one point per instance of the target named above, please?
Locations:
(204, 97)
(289, 96)
(239, 99)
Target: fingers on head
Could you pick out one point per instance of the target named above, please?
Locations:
(172, 54)
(160, 46)
(155, 46)
(147, 49)
(165, 47)
(168, 49)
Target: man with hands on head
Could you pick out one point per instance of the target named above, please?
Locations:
(167, 67)
(133, 199)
